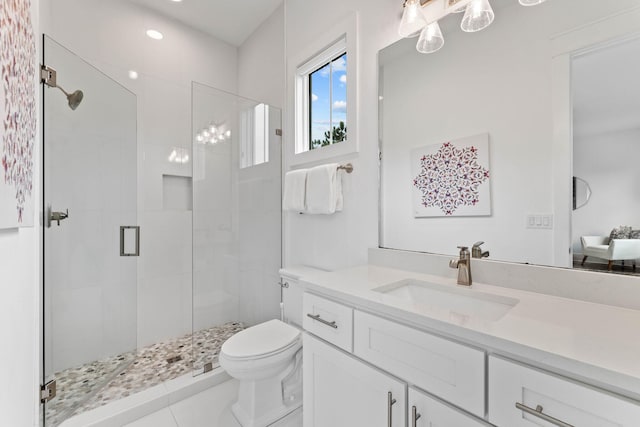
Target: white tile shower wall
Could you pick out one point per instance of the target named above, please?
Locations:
(261, 77)
(111, 36)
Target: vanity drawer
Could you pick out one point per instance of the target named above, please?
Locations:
(563, 400)
(451, 371)
(328, 320)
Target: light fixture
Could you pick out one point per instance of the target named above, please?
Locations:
(412, 19)
(531, 2)
(478, 16)
(155, 34)
(133, 75)
(431, 39)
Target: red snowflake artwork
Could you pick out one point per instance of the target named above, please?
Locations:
(450, 178)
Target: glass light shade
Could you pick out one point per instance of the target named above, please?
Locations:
(431, 39)
(478, 16)
(531, 2)
(412, 19)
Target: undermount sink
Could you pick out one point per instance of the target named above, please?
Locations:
(461, 303)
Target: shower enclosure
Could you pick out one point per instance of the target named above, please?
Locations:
(110, 302)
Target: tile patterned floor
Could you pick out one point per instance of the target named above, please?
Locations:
(210, 408)
(95, 384)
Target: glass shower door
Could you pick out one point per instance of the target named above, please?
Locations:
(236, 218)
(90, 234)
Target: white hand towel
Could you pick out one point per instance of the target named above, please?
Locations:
(324, 190)
(295, 187)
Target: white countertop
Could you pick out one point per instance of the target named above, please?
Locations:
(593, 343)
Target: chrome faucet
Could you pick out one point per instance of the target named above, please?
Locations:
(463, 264)
(476, 251)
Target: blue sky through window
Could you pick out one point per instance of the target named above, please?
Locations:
(328, 87)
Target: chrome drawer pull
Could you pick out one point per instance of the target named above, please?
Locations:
(538, 413)
(326, 322)
(390, 402)
(415, 416)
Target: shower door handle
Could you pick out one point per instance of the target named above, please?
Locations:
(123, 239)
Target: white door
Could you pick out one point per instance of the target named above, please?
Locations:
(341, 391)
(425, 411)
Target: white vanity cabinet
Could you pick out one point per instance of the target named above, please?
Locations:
(370, 387)
(426, 411)
(523, 396)
(341, 391)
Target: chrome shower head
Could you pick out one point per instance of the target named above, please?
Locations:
(74, 98)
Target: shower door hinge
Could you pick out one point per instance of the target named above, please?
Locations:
(48, 76)
(48, 391)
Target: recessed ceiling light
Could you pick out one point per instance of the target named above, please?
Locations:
(176, 1)
(133, 74)
(156, 35)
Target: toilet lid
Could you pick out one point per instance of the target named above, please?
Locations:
(261, 340)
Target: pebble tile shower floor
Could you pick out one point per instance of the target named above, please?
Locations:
(97, 383)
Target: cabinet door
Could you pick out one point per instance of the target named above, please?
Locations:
(341, 391)
(425, 411)
(449, 370)
(520, 396)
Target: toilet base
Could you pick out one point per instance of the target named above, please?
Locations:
(260, 403)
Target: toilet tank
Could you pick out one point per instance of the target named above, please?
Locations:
(292, 292)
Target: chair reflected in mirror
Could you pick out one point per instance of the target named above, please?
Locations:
(604, 247)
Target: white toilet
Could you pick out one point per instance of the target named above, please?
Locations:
(266, 359)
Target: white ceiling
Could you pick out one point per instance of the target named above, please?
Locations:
(231, 21)
(606, 86)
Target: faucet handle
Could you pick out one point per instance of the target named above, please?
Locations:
(478, 244)
(464, 252)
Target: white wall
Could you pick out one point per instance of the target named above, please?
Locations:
(342, 239)
(19, 306)
(261, 62)
(609, 163)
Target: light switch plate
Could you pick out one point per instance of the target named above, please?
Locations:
(540, 221)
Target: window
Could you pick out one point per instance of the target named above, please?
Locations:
(327, 103)
(321, 99)
(254, 136)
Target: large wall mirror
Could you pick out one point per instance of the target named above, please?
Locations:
(544, 94)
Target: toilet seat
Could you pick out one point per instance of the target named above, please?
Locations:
(261, 341)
